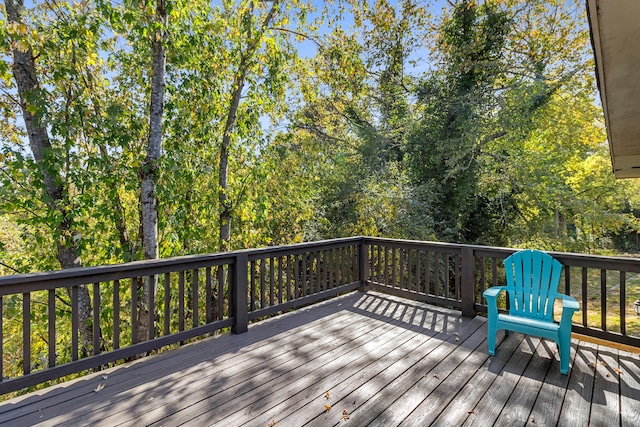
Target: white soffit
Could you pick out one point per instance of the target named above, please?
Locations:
(615, 32)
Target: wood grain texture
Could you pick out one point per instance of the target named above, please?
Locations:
(577, 401)
(384, 360)
(605, 408)
(629, 388)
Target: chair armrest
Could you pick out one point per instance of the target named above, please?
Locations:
(569, 303)
(569, 306)
(493, 292)
(491, 295)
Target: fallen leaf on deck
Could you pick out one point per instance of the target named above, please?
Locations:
(327, 407)
(470, 411)
(436, 376)
(272, 423)
(97, 389)
(345, 415)
(327, 395)
(617, 371)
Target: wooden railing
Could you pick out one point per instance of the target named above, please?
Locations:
(456, 275)
(41, 332)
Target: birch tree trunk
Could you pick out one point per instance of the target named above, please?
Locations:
(149, 170)
(55, 194)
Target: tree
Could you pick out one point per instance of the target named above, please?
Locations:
(49, 159)
(455, 102)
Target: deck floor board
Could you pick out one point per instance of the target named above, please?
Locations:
(384, 361)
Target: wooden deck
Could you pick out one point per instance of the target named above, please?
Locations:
(373, 359)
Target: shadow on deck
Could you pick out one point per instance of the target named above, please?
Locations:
(362, 359)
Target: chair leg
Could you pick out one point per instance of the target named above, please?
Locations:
(564, 349)
(491, 337)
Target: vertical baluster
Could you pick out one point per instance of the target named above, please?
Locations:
(411, 266)
(181, 301)
(377, 259)
(96, 319)
(339, 277)
(386, 265)
(252, 287)
(394, 282)
(355, 265)
(457, 277)
(345, 270)
(603, 299)
(222, 281)
(436, 273)
(151, 301)
(319, 272)
(402, 266)
(483, 276)
(312, 259)
(330, 268)
(373, 276)
(494, 272)
(262, 284)
(116, 314)
(346, 262)
(567, 280)
(351, 270)
(194, 297)
(322, 259)
(289, 293)
(418, 284)
(271, 287)
(584, 296)
(208, 295)
(319, 277)
(134, 310)
(26, 332)
(623, 303)
(221, 285)
(51, 306)
(446, 275)
(74, 323)
(338, 270)
(280, 261)
(167, 303)
(296, 274)
(343, 265)
(427, 272)
(304, 274)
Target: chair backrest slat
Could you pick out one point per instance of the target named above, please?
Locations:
(532, 283)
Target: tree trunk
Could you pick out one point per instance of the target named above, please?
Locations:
(226, 207)
(149, 171)
(24, 72)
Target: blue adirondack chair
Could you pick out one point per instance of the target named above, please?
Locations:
(532, 289)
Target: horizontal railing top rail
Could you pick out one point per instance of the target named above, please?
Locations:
(625, 263)
(29, 282)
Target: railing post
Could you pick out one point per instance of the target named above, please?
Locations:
(363, 264)
(239, 285)
(467, 282)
